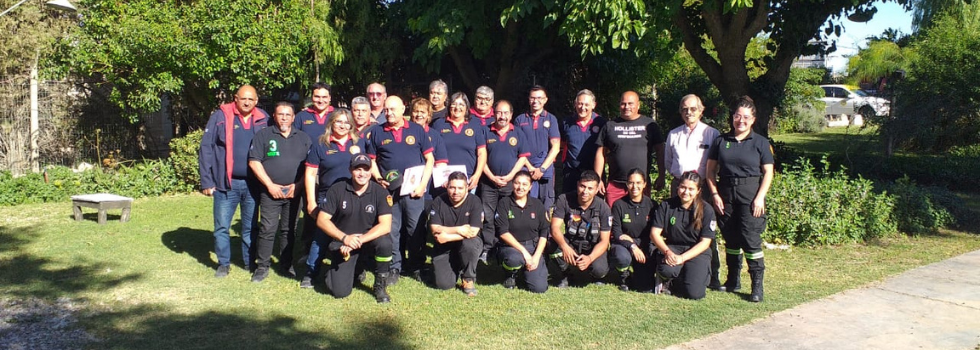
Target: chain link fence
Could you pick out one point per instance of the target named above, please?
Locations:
(76, 125)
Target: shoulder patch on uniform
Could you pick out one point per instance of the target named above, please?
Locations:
(391, 201)
(713, 225)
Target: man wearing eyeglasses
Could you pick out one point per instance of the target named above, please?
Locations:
(377, 94)
(544, 141)
(223, 162)
(687, 150)
(483, 106)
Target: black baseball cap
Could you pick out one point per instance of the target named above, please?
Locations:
(359, 160)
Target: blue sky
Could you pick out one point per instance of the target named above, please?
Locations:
(853, 37)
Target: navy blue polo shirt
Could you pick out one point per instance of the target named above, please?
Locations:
(525, 223)
(397, 149)
(632, 219)
(243, 133)
(539, 131)
(312, 124)
(487, 120)
(631, 144)
(579, 141)
(504, 148)
(462, 141)
(741, 158)
(332, 160)
(677, 223)
(281, 156)
(438, 146)
(356, 214)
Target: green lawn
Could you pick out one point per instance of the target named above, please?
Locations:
(843, 139)
(149, 284)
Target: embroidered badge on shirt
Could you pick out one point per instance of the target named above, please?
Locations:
(355, 150)
(626, 218)
(512, 141)
(673, 220)
(410, 140)
(369, 208)
(547, 123)
(468, 132)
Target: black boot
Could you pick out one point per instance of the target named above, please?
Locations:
(624, 284)
(733, 283)
(757, 277)
(381, 288)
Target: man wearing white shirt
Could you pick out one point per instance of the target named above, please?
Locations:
(687, 150)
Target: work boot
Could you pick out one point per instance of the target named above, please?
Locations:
(733, 282)
(260, 274)
(757, 277)
(511, 281)
(715, 283)
(222, 271)
(381, 288)
(563, 282)
(469, 287)
(361, 275)
(393, 277)
(624, 280)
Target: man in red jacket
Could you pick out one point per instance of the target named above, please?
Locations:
(223, 162)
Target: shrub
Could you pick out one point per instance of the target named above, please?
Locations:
(183, 158)
(915, 210)
(802, 118)
(819, 207)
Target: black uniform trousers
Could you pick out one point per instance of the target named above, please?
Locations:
(689, 279)
(742, 231)
(276, 215)
(455, 258)
(490, 194)
(513, 261)
(622, 259)
(598, 269)
(340, 275)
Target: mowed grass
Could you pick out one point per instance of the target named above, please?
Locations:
(851, 139)
(149, 284)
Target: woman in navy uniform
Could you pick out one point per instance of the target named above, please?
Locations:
(522, 227)
(630, 245)
(683, 227)
(740, 171)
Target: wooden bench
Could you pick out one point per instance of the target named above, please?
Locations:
(102, 202)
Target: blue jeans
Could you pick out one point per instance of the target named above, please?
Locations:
(405, 218)
(225, 204)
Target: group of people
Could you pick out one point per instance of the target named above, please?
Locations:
(379, 181)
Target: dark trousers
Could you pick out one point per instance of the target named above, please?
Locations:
(455, 258)
(544, 189)
(276, 215)
(513, 261)
(622, 259)
(598, 269)
(689, 279)
(742, 231)
(405, 240)
(309, 226)
(490, 194)
(340, 275)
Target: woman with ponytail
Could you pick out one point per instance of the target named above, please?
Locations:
(683, 227)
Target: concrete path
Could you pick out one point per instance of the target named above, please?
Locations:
(931, 307)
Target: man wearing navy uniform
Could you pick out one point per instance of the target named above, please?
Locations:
(276, 157)
(483, 106)
(356, 217)
(506, 154)
(544, 142)
(223, 161)
(580, 230)
(438, 92)
(393, 147)
(578, 136)
(312, 120)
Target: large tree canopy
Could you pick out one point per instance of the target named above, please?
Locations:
(198, 51)
(30, 34)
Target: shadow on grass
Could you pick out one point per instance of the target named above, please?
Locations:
(200, 243)
(27, 275)
(158, 328)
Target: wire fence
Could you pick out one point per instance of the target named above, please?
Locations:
(75, 125)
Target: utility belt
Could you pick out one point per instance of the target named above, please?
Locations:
(737, 181)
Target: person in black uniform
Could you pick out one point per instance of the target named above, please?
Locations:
(455, 220)
(682, 231)
(356, 218)
(740, 171)
(522, 227)
(276, 158)
(585, 238)
(630, 245)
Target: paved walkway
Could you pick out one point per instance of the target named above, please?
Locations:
(931, 307)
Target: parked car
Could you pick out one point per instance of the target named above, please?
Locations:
(845, 101)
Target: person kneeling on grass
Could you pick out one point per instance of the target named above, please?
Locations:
(522, 226)
(357, 217)
(456, 219)
(682, 231)
(580, 229)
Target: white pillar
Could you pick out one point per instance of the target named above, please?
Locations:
(35, 124)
